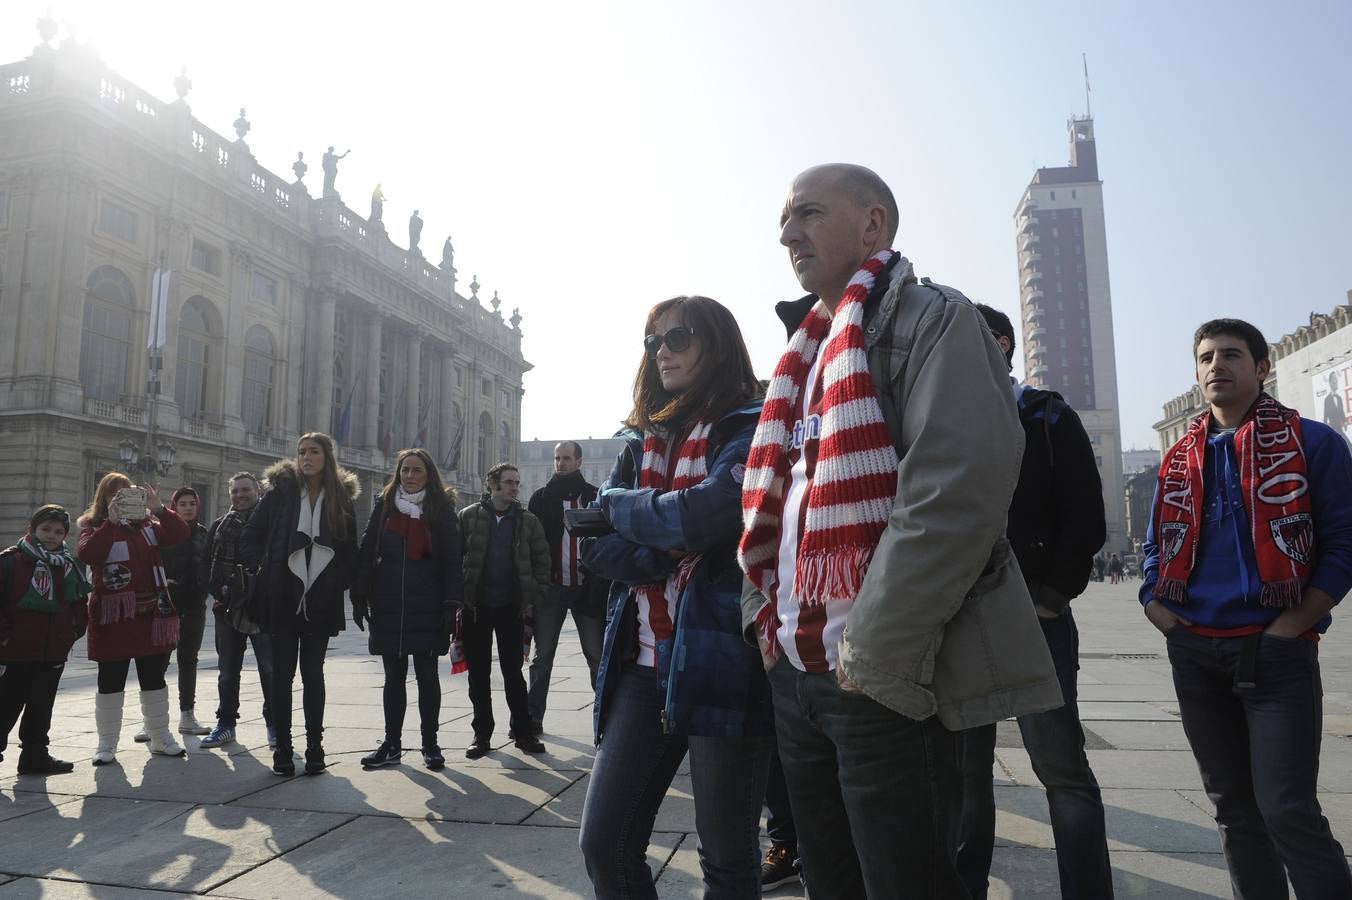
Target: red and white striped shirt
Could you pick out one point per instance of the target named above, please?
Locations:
(566, 571)
(809, 635)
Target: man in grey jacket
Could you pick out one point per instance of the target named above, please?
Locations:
(871, 686)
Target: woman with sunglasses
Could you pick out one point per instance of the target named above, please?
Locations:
(676, 675)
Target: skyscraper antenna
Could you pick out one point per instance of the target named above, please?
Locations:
(1087, 111)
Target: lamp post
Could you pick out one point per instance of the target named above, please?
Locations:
(160, 459)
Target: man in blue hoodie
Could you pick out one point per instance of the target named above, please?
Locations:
(1248, 551)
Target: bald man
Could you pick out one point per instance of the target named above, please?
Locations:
(876, 494)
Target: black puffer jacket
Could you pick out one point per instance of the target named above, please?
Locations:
(408, 599)
(184, 566)
(271, 537)
(1056, 520)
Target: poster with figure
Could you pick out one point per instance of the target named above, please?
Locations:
(1333, 396)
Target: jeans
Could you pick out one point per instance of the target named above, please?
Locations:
(289, 647)
(877, 797)
(549, 615)
(395, 695)
(477, 632)
(1055, 744)
(230, 646)
(634, 766)
(1257, 749)
(778, 814)
(150, 671)
(191, 626)
(30, 688)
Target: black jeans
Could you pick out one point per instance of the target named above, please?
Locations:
(877, 797)
(778, 813)
(230, 646)
(1055, 744)
(30, 688)
(191, 625)
(634, 766)
(149, 673)
(395, 695)
(478, 630)
(288, 647)
(1258, 752)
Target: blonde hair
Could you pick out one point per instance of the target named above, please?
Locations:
(109, 484)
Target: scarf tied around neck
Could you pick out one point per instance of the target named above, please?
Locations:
(57, 581)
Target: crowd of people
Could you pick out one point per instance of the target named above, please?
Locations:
(794, 585)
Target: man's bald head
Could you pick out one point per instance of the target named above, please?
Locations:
(864, 186)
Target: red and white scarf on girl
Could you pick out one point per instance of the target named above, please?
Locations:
(164, 628)
(855, 481)
(657, 601)
(1274, 481)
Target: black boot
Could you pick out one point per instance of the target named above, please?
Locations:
(43, 764)
(433, 758)
(314, 758)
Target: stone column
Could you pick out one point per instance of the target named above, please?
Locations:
(370, 400)
(445, 415)
(412, 401)
(235, 323)
(317, 412)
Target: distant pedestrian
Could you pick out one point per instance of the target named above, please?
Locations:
(185, 566)
(409, 585)
(302, 540)
(228, 586)
(131, 613)
(677, 678)
(43, 593)
(1115, 568)
(571, 590)
(1248, 550)
(506, 562)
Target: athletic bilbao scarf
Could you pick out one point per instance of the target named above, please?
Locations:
(691, 468)
(41, 596)
(855, 481)
(1276, 490)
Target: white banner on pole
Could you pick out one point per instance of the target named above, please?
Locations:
(159, 310)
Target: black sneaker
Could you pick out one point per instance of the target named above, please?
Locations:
(778, 867)
(44, 765)
(314, 760)
(387, 754)
(283, 763)
(432, 758)
(529, 745)
(478, 747)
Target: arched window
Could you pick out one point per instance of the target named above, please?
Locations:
(457, 432)
(105, 342)
(485, 444)
(505, 442)
(194, 340)
(259, 365)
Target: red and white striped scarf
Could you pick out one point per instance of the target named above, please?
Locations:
(855, 480)
(691, 468)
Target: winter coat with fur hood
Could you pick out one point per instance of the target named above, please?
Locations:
(272, 543)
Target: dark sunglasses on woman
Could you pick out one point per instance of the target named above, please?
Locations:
(677, 340)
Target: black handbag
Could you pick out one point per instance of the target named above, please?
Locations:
(253, 609)
(237, 611)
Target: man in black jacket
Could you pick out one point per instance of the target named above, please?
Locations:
(570, 589)
(1056, 525)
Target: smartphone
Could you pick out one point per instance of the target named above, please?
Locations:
(131, 504)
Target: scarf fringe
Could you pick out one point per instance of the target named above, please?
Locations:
(116, 607)
(1172, 589)
(1283, 594)
(164, 631)
(835, 573)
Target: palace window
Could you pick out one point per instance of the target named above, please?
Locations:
(260, 363)
(105, 342)
(117, 221)
(194, 343)
(206, 258)
(264, 288)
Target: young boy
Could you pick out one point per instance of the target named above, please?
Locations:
(42, 613)
(1249, 549)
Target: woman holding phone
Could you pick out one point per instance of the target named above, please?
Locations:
(131, 616)
(302, 541)
(676, 675)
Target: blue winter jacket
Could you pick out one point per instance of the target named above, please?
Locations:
(1224, 589)
(710, 681)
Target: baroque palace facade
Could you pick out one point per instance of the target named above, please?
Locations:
(285, 313)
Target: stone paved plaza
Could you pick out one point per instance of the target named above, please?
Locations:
(220, 823)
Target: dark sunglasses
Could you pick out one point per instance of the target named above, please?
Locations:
(677, 340)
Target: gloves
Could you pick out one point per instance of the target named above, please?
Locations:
(361, 614)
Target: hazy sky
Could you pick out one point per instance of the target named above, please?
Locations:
(592, 159)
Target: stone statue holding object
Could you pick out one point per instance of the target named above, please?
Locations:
(447, 255)
(415, 226)
(330, 166)
(378, 207)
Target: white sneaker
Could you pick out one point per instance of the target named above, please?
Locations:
(188, 724)
(141, 737)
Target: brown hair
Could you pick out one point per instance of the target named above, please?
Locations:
(435, 500)
(495, 474)
(339, 515)
(724, 378)
(49, 512)
(109, 484)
